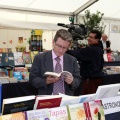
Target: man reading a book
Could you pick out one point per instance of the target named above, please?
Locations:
(56, 60)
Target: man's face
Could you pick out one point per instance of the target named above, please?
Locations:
(60, 46)
(91, 39)
(104, 37)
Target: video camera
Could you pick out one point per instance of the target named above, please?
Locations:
(78, 31)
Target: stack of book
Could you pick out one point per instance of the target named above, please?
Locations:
(63, 107)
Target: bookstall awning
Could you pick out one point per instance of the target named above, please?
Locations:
(45, 14)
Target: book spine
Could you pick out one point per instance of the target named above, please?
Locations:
(86, 112)
(89, 112)
(25, 112)
(68, 112)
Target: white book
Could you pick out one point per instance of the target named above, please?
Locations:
(105, 57)
(18, 58)
(40, 114)
(87, 98)
(69, 100)
(63, 73)
(111, 105)
(106, 91)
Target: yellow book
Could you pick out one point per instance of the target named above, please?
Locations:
(13, 116)
(33, 54)
(76, 112)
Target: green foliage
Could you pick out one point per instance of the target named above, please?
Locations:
(93, 21)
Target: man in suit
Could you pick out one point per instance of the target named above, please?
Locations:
(105, 44)
(46, 62)
(91, 64)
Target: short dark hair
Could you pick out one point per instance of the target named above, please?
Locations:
(98, 34)
(64, 34)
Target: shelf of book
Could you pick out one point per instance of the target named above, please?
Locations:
(36, 43)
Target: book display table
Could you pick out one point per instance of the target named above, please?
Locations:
(10, 90)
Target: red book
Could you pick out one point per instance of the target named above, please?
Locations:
(89, 112)
(86, 110)
(95, 110)
(110, 57)
(47, 101)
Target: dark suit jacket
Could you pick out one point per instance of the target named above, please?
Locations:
(43, 62)
(90, 59)
(107, 45)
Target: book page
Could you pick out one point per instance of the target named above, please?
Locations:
(63, 73)
(51, 74)
(66, 73)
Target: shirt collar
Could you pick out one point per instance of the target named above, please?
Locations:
(54, 56)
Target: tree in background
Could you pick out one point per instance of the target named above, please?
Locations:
(93, 21)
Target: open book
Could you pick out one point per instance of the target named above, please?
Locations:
(63, 73)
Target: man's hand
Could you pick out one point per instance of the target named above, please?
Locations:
(51, 79)
(68, 79)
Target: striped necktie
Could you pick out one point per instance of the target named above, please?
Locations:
(59, 85)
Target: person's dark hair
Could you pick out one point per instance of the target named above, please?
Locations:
(98, 34)
(64, 34)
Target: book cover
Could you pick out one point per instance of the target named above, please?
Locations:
(106, 91)
(89, 116)
(1, 50)
(58, 113)
(2, 72)
(7, 59)
(20, 69)
(0, 59)
(69, 100)
(105, 57)
(87, 98)
(111, 105)
(76, 112)
(13, 116)
(63, 73)
(17, 75)
(40, 114)
(18, 58)
(110, 57)
(95, 110)
(27, 58)
(18, 104)
(47, 101)
(86, 110)
(33, 54)
(4, 80)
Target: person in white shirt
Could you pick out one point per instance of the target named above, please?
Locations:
(105, 44)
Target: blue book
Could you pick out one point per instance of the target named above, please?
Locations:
(18, 75)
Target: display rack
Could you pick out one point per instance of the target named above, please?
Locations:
(36, 41)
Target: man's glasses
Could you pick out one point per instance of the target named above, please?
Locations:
(61, 47)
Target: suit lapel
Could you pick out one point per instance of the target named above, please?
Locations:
(49, 62)
(66, 63)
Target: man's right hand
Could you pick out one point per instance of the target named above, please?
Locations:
(51, 79)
